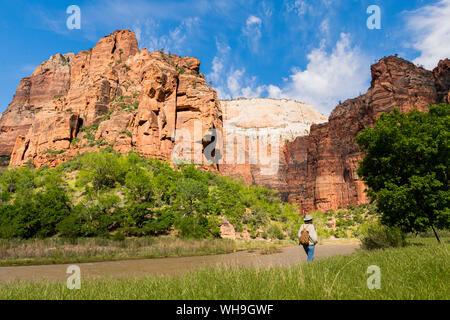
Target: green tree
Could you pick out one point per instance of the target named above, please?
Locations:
(102, 169)
(406, 167)
(192, 204)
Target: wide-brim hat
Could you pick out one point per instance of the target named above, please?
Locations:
(308, 217)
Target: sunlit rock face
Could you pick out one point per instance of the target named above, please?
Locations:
(317, 159)
(255, 135)
(111, 95)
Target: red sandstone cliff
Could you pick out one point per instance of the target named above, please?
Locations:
(112, 95)
(34, 95)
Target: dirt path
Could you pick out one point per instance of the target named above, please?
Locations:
(170, 266)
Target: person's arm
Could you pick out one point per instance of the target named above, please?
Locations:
(299, 233)
(313, 234)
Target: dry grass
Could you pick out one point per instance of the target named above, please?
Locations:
(58, 250)
(271, 249)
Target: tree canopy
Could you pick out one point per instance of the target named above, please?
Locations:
(106, 193)
(406, 168)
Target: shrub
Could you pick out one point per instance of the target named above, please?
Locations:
(102, 169)
(275, 232)
(54, 152)
(74, 141)
(127, 132)
(118, 236)
(377, 236)
(193, 227)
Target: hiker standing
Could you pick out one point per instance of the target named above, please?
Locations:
(307, 237)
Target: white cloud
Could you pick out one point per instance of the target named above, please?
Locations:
(252, 31)
(328, 77)
(267, 9)
(234, 82)
(253, 20)
(238, 84)
(325, 26)
(431, 33)
(219, 70)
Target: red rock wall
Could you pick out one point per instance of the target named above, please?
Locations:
(136, 99)
(33, 96)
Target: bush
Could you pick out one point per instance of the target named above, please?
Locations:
(378, 236)
(275, 232)
(193, 227)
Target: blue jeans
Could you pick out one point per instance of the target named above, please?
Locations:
(310, 252)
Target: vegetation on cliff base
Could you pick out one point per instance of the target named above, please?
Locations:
(406, 167)
(117, 195)
(56, 250)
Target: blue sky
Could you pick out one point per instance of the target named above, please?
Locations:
(314, 51)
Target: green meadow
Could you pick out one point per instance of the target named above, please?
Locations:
(419, 270)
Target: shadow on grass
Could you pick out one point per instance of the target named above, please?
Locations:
(421, 242)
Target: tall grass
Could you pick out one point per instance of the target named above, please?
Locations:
(419, 271)
(60, 250)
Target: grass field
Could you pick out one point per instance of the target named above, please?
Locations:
(59, 250)
(418, 271)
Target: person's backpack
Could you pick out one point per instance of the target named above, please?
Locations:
(304, 236)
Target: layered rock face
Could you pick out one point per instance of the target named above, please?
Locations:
(321, 167)
(35, 95)
(317, 169)
(254, 134)
(111, 95)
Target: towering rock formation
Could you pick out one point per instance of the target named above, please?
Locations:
(112, 95)
(317, 169)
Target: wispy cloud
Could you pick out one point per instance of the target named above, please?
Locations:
(430, 32)
(252, 31)
(299, 7)
(229, 80)
(151, 36)
(46, 19)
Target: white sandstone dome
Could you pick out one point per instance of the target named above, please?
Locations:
(288, 118)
